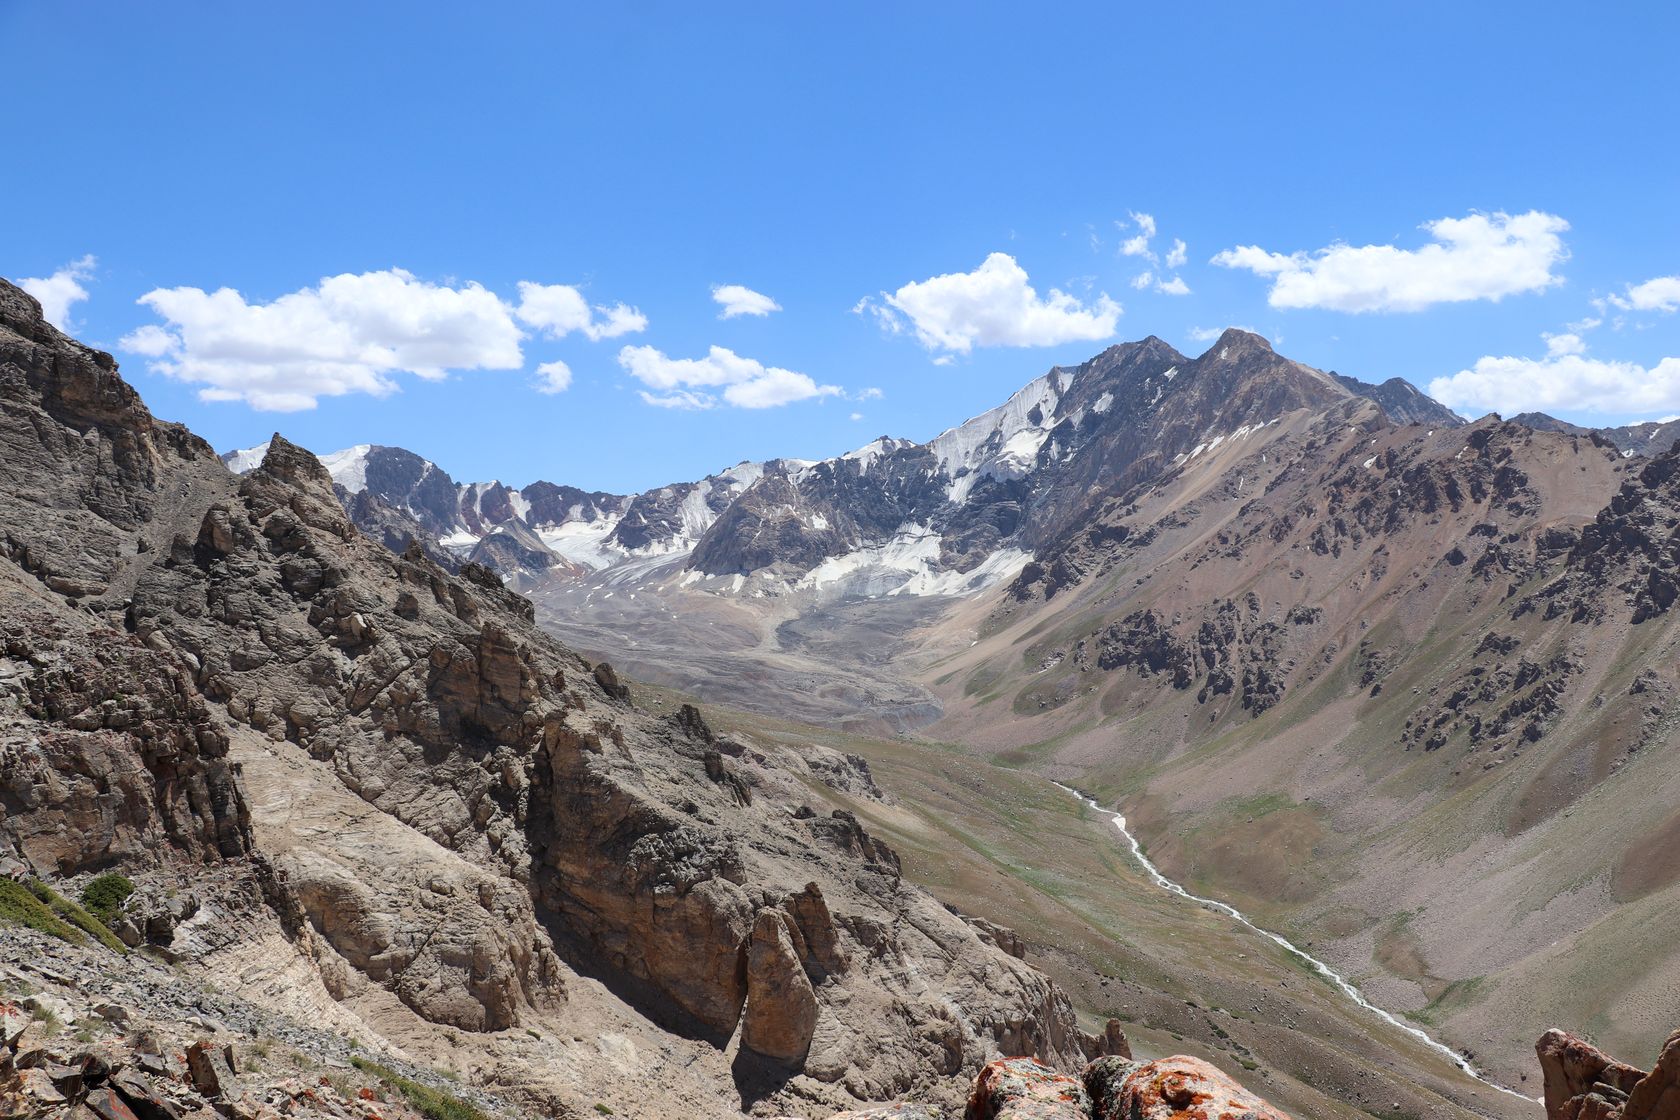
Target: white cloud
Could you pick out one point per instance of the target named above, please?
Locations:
(1660, 294)
(698, 383)
(1138, 246)
(738, 300)
(559, 309)
(857, 416)
(555, 377)
(348, 334)
(1480, 256)
(60, 290)
(994, 305)
(1557, 345)
(869, 394)
(1564, 380)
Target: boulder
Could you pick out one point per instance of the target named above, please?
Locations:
(211, 1072)
(1657, 1096)
(1581, 1081)
(1168, 1089)
(781, 1011)
(1026, 1089)
(1584, 1083)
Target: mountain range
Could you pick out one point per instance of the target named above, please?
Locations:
(1399, 686)
(1399, 681)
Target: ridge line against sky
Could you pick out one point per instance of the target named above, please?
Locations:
(585, 273)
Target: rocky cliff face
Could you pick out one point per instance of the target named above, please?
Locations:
(462, 816)
(108, 750)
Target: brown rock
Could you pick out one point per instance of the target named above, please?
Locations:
(1657, 1097)
(1169, 1089)
(1573, 1069)
(211, 1074)
(107, 1105)
(13, 1022)
(1114, 1040)
(824, 954)
(39, 1086)
(781, 1012)
(143, 1097)
(1026, 1089)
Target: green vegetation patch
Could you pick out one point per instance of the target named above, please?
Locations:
(429, 1102)
(1458, 994)
(105, 895)
(37, 906)
(19, 906)
(76, 916)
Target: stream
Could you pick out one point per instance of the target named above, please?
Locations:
(1290, 947)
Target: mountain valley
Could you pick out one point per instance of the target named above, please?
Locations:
(1384, 680)
(1401, 690)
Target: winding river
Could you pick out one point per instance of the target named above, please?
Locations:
(1288, 946)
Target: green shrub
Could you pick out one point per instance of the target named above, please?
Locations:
(429, 1102)
(76, 916)
(20, 905)
(105, 895)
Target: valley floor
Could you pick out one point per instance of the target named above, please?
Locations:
(1013, 848)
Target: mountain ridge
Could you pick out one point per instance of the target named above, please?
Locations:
(892, 515)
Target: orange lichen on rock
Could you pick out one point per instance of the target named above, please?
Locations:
(1176, 1088)
(1026, 1089)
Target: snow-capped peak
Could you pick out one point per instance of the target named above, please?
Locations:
(349, 467)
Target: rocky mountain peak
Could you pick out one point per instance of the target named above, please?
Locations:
(1234, 342)
(296, 465)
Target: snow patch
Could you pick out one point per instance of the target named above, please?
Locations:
(908, 564)
(1002, 443)
(248, 459)
(584, 542)
(349, 467)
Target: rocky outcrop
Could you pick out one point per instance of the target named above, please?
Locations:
(781, 1009)
(1022, 1089)
(499, 813)
(1170, 1089)
(1630, 552)
(1113, 1088)
(84, 1035)
(1584, 1083)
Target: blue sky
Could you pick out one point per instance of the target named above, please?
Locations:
(623, 161)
